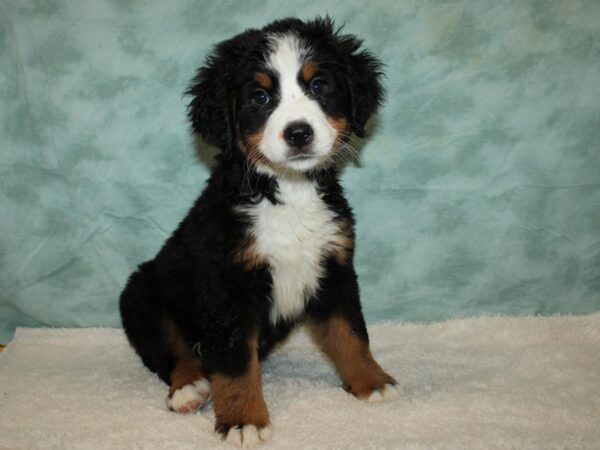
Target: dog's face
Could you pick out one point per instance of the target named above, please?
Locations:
(287, 96)
(293, 113)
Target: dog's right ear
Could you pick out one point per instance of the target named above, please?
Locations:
(207, 111)
(213, 90)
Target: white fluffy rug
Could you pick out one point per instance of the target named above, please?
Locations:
(478, 383)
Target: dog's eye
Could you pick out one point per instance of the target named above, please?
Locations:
(260, 97)
(317, 85)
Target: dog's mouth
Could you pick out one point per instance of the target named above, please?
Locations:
(302, 162)
(301, 157)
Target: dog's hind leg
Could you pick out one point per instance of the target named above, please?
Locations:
(159, 342)
(142, 319)
(189, 388)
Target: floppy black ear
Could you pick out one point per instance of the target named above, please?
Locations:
(365, 88)
(208, 111)
(213, 90)
(364, 73)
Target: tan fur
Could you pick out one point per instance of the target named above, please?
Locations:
(340, 125)
(247, 255)
(239, 400)
(185, 372)
(174, 339)
(250, 148)
(341, 247)
(308, 71)
(263, 80)
(253, 142)
(187, 367)
(350, 355)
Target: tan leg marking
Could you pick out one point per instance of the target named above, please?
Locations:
(351, 357)
(189, 387)
(185, 372)
(239, 400)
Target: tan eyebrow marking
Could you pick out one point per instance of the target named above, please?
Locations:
(263, 80)
(309, 70)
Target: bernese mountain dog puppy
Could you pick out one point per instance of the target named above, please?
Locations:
(270, 242)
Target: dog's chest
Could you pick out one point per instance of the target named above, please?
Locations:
(293, 236)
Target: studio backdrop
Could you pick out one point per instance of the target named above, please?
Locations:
(476, 192)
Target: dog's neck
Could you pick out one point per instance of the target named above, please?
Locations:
(250, 182)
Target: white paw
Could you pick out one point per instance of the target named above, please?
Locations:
(190, 397)
(389, 392)
(248, 436)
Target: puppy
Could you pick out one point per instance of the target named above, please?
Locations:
(270, 242)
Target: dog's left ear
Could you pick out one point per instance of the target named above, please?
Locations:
(364, 73)
(365, 88)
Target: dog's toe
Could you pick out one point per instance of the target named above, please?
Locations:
(388, 392)
(250, 437)
(265, 433)
(234, 437)
(247, 436)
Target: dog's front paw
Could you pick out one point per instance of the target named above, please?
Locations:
(189, 397)
(246, 436)
(374, 388)
(388, 392)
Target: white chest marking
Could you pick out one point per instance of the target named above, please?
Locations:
(293, 236)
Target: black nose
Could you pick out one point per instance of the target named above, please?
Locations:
(298, 134)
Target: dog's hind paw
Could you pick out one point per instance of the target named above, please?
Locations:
(189, 397)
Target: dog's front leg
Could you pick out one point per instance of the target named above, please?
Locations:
(240, 410)
(337, 326)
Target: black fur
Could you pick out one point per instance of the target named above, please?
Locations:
(194, 280)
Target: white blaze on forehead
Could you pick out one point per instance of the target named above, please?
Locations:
(288, 53)
(286, 59)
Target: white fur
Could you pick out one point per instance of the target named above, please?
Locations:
(248, 436)
(190, 397)
(388, 392)
(286, 59)
(293, 237)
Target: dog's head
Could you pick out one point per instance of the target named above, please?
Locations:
(287, 96)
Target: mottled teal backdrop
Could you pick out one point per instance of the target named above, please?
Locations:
(478, 191)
